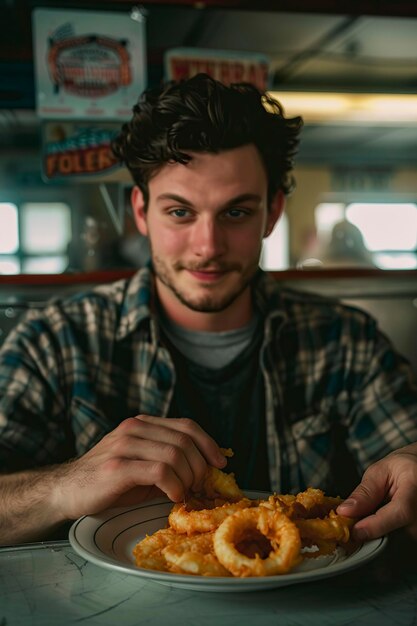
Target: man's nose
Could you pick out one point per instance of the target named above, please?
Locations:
(208, 239)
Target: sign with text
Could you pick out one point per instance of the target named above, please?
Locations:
(223, 65)
(361, 179)
(88, 64)
(80, 150)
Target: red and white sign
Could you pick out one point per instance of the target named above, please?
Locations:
(88, 64)
(223, 65)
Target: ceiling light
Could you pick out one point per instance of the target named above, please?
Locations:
(322, 107)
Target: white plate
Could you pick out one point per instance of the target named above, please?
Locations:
(108, 540)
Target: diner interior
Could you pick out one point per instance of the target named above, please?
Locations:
(350, 226)
(349, 231)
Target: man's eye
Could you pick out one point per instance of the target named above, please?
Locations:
(236, 213)
(180, 212)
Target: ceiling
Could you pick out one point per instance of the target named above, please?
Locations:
(312, 47)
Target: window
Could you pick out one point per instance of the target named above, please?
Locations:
(9, 239)
(34, 237)
(382, 234)
(275, 251)
(9, 231)
(385, 226)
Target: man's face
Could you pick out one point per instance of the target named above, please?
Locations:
(205, 222)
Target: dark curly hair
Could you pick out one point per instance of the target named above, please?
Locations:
(203, 115)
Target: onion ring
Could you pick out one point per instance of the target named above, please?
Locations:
(219, 484)
(194, 555)
(148, 552)
(306, 504)
(333, 527)
(184, 519)
(314, 503)
(275, 526)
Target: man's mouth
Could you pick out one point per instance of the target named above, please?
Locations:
(208, 275)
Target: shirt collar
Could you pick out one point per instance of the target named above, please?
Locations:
(136, 306)
(138, 301)
(268, 298)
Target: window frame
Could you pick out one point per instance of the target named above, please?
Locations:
(20, 255)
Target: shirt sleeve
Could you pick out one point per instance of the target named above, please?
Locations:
(381, 397)
(33, 430)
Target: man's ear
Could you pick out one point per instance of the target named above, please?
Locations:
(275, 211)
(139, 213)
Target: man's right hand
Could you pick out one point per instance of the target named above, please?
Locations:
(144, 456)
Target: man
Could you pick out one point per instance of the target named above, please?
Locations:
(118, 395)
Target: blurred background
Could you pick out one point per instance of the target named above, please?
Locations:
(350, 70)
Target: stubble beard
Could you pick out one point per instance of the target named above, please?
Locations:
(210, 302)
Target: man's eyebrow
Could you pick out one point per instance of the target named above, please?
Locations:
(244, 197)
(175, 197)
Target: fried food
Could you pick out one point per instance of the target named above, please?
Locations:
(281, 532)
(245, 538)
(202, 516)
(306, 504)
(314, 515)
(148, 552)
(219, 497)
(220, 532)
(167, 551)
(332, 527)
(194, 556)
(316, 503)
(217, 484)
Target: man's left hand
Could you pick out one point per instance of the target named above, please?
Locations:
(386, 498)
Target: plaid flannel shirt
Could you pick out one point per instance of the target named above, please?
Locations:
(72, 372)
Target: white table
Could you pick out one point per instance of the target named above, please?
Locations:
(48, 584)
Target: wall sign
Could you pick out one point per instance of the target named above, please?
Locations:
(361, 179)
(80, 150)
(88, 64)
(223, 65)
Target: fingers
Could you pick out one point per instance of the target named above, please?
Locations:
(393, 515)
(174, 442)
(367, 496)
(363, 502)
(188, 467)
(206, 444)
(369, 502)
(132, 473)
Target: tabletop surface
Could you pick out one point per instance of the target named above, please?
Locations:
(48, 584)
